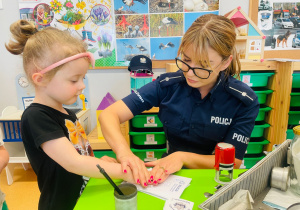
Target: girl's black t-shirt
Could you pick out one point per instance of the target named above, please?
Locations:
(59, 188)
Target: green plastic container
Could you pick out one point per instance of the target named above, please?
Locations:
(258, 130)
(262, 112)
(101, 153)
(148, 138)
(251, 160)
(256, 147)
(289, 134)
(262, 94)
(296, 80)
(146, 121)
(295, 99)
(148, 155)
(255, 79)
(294, 118)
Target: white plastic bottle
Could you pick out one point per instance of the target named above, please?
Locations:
(295, 162)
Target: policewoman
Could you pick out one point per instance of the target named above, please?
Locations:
(199, 105)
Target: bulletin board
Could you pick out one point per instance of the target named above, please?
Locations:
(262, 10)
(117, 30)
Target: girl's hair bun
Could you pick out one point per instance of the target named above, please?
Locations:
(21, 31)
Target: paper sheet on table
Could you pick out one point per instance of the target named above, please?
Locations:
(279, 199)
(173, 187)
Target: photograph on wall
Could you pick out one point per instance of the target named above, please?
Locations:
(160, 24)
(279, 20)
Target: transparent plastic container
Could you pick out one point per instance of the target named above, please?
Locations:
(295, 161)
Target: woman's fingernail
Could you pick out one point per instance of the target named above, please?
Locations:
(151, 177)
(149, 181)
(145, 184)
(138, 181)
(155, 182)
(125, 171)
(159, 179)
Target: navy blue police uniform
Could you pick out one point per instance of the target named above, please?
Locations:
(191, 124)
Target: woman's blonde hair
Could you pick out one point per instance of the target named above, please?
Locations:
(217, 32)
(42, 48)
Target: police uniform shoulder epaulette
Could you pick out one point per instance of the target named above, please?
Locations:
(171, 78)
(240, 90)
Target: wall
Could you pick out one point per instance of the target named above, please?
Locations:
(115, 81)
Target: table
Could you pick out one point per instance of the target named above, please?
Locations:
(98, 193)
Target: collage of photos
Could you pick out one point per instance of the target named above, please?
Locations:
(117, 30)
(279, 20)
(155, 28)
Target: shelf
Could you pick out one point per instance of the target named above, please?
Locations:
(97, 144)
(101, 144)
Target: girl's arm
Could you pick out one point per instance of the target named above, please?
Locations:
(4, 158)
(62, 151)
(110, 120)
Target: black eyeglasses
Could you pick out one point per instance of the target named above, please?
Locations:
(199, 72)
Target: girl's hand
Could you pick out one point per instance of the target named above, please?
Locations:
(131, 163)
(162, 168)
(108, 159)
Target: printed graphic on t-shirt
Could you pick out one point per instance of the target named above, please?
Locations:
(78, 138)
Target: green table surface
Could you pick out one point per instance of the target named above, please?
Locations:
(98, 194)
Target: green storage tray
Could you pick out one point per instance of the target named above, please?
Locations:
(289, 134)
(251, 160)
(262, 112)
(148, 138)
(255, 146)
(148, 155)
(262, 94)
(259, 128)
(101, 153)
(296, 80)
(294, 118)
(295, 99)
(146, 121)
(255, 79)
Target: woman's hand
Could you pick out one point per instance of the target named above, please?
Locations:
(131, 163)
(162, 168)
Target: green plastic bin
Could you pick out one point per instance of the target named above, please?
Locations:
(255, 146)
(251, 159)
(148, 138)
(101, 153)
(256, 79)
(289, 134)
(262, 94)
(294, 118)
(296, 80)
(262, 112)
(146, 121)
(295, 99)
(148, 155)
(259, 128)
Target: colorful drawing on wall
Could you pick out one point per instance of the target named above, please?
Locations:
(90, 20)
(279, 20)
(117, 30)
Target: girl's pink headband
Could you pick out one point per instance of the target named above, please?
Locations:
(68, 59)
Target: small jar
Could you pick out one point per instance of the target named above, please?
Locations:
(295, 161)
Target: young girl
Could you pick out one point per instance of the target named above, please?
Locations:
(55, 142)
